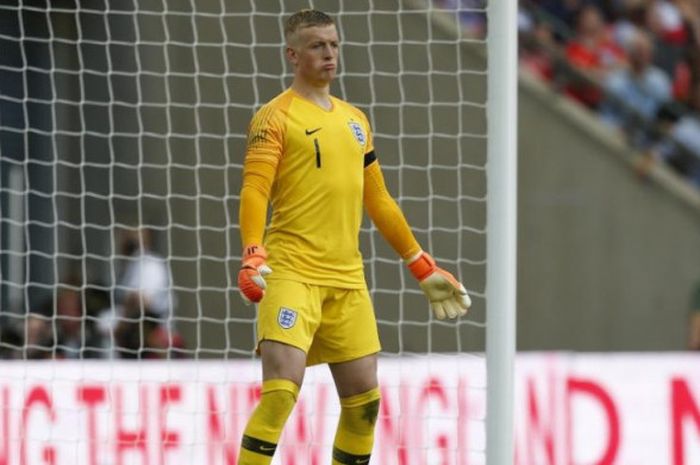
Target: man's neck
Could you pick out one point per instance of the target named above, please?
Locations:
(321, 96)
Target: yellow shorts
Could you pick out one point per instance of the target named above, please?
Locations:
(330, 324)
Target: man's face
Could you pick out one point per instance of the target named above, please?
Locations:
(591, 22)
(314, 53)
(640, 54)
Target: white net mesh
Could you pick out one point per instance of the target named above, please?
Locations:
(122, 131)
(133, 117)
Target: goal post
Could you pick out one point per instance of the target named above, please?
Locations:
(502, 230)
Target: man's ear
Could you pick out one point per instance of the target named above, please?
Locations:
(291, 55)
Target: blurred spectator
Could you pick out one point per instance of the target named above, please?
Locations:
(39, 340)
(667, 22)
(145, 302)
(687, 130)
(472, 15)
(694, 330)
(566, 10)
(681, 149)
(690, 10)
(594, 54)
(637, 62)
(672, 44)
(636, 93)
(694, 320)
(77, 335)
(145, 273)
(164, 344)
(11, 341)
(140, 334)
(683, 79)
(613, 9)
(631, 16)
(537, 41)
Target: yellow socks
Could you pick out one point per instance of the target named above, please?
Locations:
(265, 424)
(355, 435)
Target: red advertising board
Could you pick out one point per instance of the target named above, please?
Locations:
(571, 409)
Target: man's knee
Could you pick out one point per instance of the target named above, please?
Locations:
(359, 412)
(278, 399)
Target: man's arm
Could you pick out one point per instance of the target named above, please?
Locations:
(259, 170)
(258, 177)
(447, 296)
(386, 214)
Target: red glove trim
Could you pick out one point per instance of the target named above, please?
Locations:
(253, 251)
(423, 266)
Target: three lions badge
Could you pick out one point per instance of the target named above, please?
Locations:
(286, 317)
(358, 132)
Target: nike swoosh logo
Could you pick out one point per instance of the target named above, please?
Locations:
(266, 448)
(311, 131)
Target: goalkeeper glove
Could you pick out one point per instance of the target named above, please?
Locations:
(251, 281)
(447, 296)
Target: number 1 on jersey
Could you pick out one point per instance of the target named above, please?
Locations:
(318, 153)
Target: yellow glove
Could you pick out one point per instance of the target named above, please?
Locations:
(447, 296)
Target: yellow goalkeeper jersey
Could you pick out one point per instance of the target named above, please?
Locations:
(316, 197)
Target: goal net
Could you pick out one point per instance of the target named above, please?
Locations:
(122, 134)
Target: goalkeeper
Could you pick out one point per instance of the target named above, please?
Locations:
(312, 157)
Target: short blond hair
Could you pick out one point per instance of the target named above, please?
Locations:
(303, 19)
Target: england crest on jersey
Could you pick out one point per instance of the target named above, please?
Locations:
(358, 132)
(286, 317)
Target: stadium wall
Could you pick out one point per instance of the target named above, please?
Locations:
(607, 259)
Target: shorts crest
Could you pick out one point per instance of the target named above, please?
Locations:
(286, 317)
